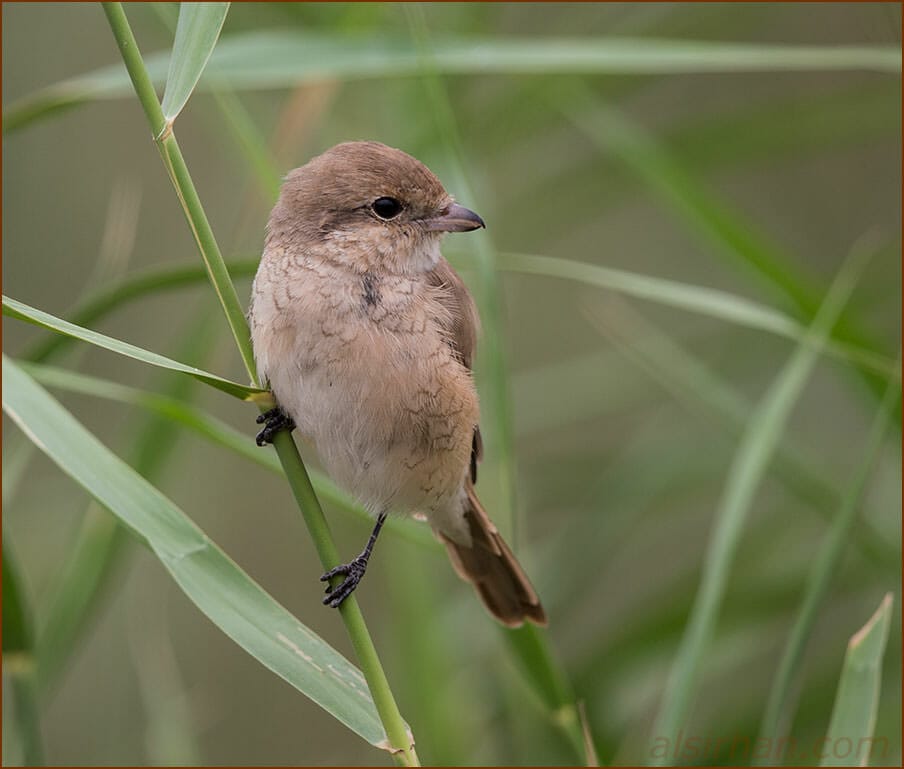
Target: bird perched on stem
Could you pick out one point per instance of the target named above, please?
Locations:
(366, 336)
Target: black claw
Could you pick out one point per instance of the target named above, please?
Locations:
(273, 420)
(353, 571)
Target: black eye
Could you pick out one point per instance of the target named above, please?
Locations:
(386, 208)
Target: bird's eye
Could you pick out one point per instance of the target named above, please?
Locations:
(386, 208)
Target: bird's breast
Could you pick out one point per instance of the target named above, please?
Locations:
(368, 375)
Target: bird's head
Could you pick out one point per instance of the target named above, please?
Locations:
(369, 207)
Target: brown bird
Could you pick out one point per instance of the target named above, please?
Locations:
(366, 336)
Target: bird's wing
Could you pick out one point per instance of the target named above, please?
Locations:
(456, 299)
(464, 325)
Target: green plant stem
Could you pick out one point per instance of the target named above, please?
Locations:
(821, 575)
(169, 150)
(300, 483)
(400, 742)
(532, 654)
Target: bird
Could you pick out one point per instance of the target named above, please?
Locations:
(366, 337)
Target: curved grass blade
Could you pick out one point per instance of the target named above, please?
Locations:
(132, 286)
(280, 59)
(220, 589)
(758, 444)
(80, 583)
(702, 390)
(854, 715)
(22, 311)
(698, 299)
(196, 35)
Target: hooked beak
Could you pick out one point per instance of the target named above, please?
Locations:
(455, 218)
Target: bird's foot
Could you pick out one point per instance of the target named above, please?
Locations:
(273, 421)
(353, 571)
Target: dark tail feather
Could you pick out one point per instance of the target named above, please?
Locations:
(491, 567)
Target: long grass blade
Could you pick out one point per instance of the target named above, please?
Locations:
(216, 585)
(130, 287)
(701, 300)
(748, 467)
(704, 390)
(16, 309)
(283, 59)
(102, 543)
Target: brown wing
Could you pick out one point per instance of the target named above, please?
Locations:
(463, 329)
(457, 300)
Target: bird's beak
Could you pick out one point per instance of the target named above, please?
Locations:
(455, 218)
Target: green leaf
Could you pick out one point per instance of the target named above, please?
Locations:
(850, 736)
(23, 312)
(101, 302)
(701, 389)
(751, 460)
(196, 35)
(698, 299)
(101, 543)
(220, 589)
(280, 59)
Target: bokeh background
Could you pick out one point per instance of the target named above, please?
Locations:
(621, 451)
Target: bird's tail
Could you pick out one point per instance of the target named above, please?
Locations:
(492, 568)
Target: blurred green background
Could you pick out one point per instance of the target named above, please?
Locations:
(621, 446)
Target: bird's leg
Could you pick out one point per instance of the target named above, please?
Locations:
(273, 421)
(353, 570)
